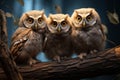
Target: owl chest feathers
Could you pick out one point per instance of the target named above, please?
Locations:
(58, 45)
(89, 39)
(34, 44)
(58, 41)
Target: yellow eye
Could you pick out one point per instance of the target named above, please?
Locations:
(89, 18)
(40, 20)
(30, 20)
(54, 23)
(63, 23)
(79, 18)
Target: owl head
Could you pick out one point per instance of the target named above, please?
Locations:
(35, 20)
(58, 23)
(85, 17)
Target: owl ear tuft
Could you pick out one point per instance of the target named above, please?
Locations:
(42, 11)
(23, 17)
(49, 19)
(67, 15)
(76, 11)
(92, 11)
(50, 16)
(68, 19)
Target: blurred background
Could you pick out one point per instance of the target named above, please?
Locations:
(109, 11)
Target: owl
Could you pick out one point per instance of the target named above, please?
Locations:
(88, 34)
(28, 39)
(58, 39)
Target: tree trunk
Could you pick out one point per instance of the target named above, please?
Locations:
(6, 60)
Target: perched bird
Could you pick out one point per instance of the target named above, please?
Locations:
(28, 39)
(88, 35)
(58, 39)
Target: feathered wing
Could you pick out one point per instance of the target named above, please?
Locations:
(103, 28)
(18, 41)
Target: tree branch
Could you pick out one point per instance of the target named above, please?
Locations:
(6, 59)
(3, 28)
(106, 62)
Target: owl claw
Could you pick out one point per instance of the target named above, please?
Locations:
(82, 55)
(65, 58)
(32, 61)
(93, 51)
(57, 58)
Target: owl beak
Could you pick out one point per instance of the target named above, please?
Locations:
(35, 27)
(83, 24)
(58, 29)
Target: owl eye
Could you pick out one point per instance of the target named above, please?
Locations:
(89, 18)
(40, 20)
(63, 23)
(54, 23)
(79, 18)
(30, 20)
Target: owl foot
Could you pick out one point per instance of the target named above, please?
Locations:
(65, 58)
(93, 51)
(57, 58)
(82, 55)
(32, 61)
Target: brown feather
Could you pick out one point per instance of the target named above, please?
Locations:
(28, 39)
(88, 38)
(58, 44)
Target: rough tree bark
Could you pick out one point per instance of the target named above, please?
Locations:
(6, 60)
(106, 62)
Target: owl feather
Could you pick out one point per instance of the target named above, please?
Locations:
(58, 43)
(88, 32)
(28, 39)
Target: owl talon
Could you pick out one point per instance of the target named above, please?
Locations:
(57, 58)
(93, 51)
(32, 61)
(65, 58)
(82, 55)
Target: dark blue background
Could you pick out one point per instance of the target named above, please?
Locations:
(68, 6)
